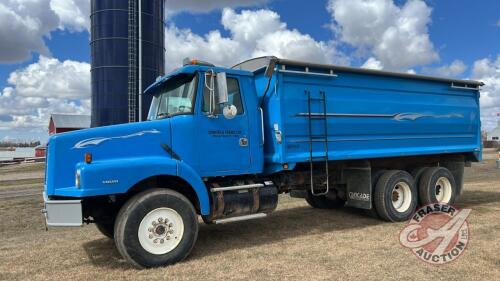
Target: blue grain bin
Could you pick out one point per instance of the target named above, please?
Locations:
(114, 57)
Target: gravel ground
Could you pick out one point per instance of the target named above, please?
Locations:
(294, 243)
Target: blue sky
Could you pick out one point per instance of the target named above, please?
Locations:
(455, 38)
(460, 29)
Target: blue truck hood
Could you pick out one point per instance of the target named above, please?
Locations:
(126, 141)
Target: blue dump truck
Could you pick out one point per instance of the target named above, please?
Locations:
(220, 145)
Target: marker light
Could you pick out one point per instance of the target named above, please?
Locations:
(88, 158)
(188, 61)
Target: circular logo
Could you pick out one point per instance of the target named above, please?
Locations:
(437, 233)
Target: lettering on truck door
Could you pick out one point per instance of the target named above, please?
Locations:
(223, 144)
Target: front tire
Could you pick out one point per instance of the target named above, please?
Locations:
(106, 228)
(395, 197)
(156, 227)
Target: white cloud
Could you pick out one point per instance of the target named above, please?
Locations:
(25, 23)
(207, 6)
(252, 33)
(456, 68)
(248, 26)
(73, 14)
(372, 63)
(396, 36)
(292, 44)
(50, 77)
(488, 71)
(45, 87)
(181, 43)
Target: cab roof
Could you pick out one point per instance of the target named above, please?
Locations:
(191, 69)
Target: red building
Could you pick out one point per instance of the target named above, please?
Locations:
(40, 151)
(60, 123)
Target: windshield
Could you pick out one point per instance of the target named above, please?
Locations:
(175, 97)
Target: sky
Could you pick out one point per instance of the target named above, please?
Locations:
(45, 53)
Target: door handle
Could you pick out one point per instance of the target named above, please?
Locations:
(243, 142)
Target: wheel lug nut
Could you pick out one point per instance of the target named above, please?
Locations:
(150, 229)
(156, 240)
(170, 224)
(154, 223)
(150, 236)
(160, 219)
(161, 241)
(168, 238)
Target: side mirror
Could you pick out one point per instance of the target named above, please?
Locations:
(210, 85)
(222, 88)
(229, 111)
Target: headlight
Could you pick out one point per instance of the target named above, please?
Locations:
(77, 178)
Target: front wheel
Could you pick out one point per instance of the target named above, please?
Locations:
(156, 227)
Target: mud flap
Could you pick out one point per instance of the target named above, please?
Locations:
(359, 191)
(456, 166)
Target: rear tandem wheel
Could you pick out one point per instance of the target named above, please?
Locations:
(395, 196)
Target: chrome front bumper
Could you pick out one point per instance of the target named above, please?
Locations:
(62, 212)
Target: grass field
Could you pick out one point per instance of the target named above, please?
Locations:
(294, 243)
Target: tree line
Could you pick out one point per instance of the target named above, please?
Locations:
(19, 144)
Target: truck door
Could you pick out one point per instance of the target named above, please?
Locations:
(223, 144)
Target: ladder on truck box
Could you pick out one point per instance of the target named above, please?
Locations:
(323, 137)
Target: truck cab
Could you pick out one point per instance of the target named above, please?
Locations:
(231, 127)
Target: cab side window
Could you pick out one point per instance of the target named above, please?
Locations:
(234, 97)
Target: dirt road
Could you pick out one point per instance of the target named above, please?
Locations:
(294, 243)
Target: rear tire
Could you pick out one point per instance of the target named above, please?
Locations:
(417, 173)
(375, 177)
(437, 185)
(323, 202)
(156, 227)
(395, 196)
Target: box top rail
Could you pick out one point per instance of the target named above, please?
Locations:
(259, 63)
